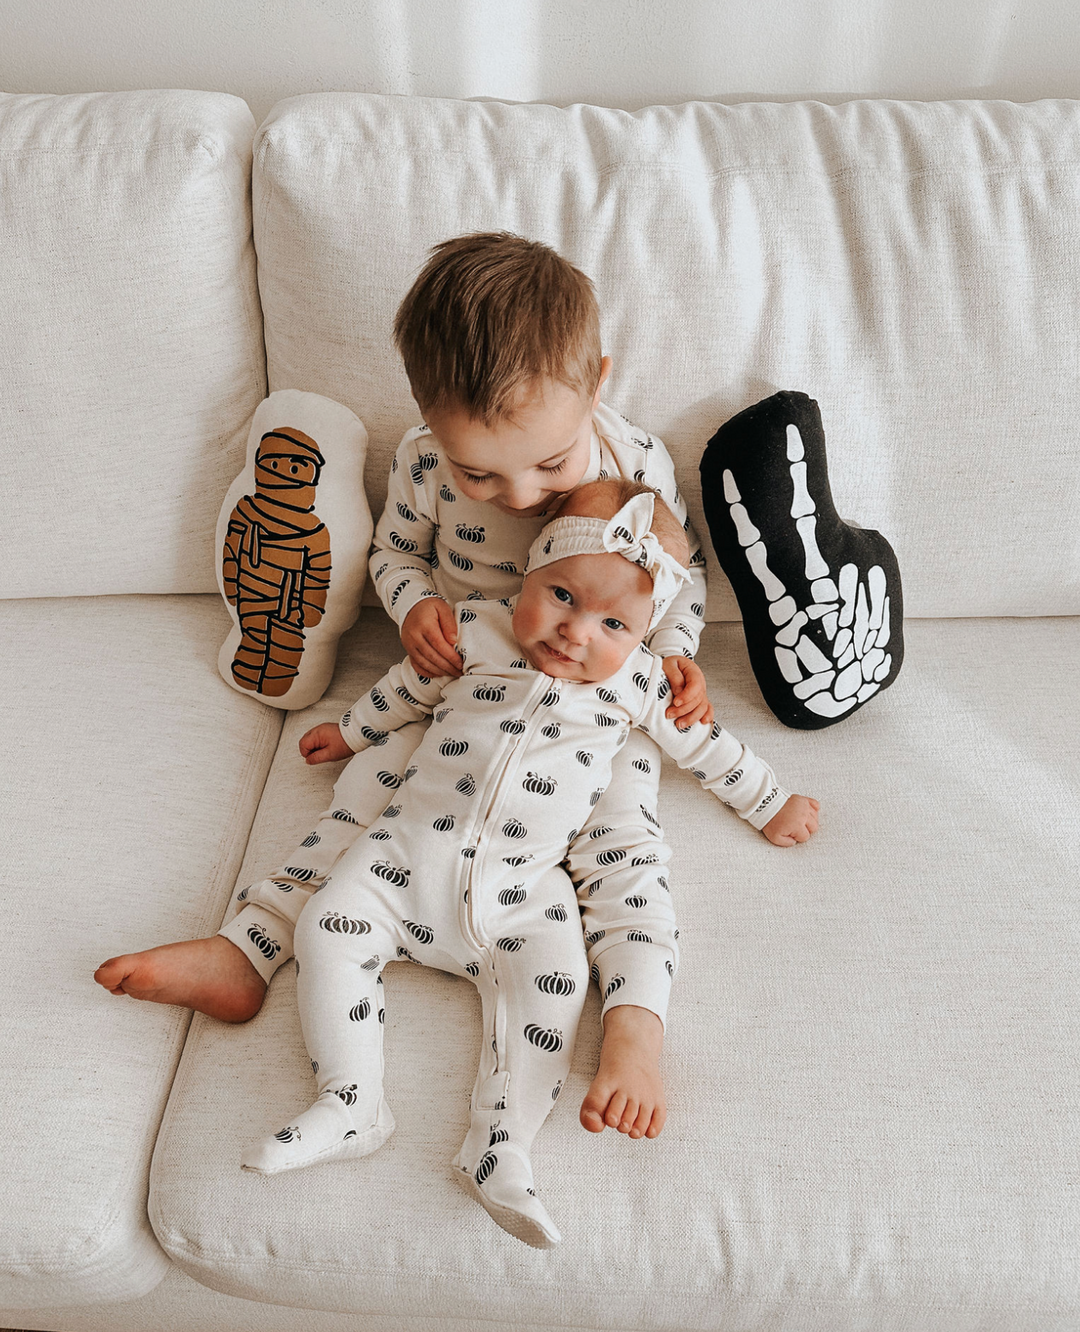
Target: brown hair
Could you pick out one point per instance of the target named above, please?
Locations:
(604, 498)
(490, 314)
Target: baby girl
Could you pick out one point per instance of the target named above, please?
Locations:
(462, 870)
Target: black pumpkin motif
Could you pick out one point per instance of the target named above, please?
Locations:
(556, 912)
(467, 785)
(468, 852)
(636, 936)
(602, 831)
(335, 923)
(607, 695)
(404, 953)
(507, 566)
(453, 748)
(262, 941)
(544, 1038)
(649, 818)
(604, 719)
(447, 494)
(460, 562)
(290, 1134)
(642, 681)
(284, 884)
(512, 727)
(372, 964)
(489, 693)
(488, 1162)
(404, 544)
(381, 835)
(550, 698)
(473, 968)
(595, 936)
(584, 757)
(313, 839)
(379, 699)
(516, 860)
(611, 857)
(390, 779)
(512, 896)
(539, 785)
(398, 591)
(360, 1011)
(391, 812)
(636, 900)
(616, 983)
(511, 945)
(670, 969)
(444, 823)
(551, 731)
(391, 873)
(515, 828)
(347, 1094)
(343, 816)
(467, 616)
(473, 534)
(402, 692)
(373, 737)
(498, 1135)
(595, 797)
(650, 859)
(642, 765)
(423, 933)
(557, 982)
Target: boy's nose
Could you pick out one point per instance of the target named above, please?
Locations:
(574, 632)
(521, 497)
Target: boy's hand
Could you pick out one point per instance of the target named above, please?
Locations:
(689, 701)
(325, 744)
(796, 822)
(428, 635)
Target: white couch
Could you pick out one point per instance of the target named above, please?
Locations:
(872, 1052)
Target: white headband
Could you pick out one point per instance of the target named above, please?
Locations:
(628, 534)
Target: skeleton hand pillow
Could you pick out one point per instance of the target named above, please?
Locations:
(820, 598)
(292, 540)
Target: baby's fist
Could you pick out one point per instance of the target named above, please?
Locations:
(797, 821)
(324, 744)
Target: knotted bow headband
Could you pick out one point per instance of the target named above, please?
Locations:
(629, 534)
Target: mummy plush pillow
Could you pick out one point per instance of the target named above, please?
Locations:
(820, 598)
(292, 541)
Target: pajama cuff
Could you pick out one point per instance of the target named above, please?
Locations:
(635, 973)
(264, 940)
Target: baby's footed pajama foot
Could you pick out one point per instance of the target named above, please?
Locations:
(502, 1183)
(326, 1131)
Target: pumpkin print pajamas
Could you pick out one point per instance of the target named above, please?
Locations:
(460, 872)
(434, 540)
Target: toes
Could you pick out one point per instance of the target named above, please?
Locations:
(615, 1109)
(629, 1114)
(591, 1117)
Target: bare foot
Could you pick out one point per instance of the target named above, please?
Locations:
(210, 975)
(627, 1092)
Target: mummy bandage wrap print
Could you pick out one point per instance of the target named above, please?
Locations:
(821, 599)
(460, 872)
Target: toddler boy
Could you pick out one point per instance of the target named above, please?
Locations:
(461, 869)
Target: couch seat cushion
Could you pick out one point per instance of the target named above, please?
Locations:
(871, 1056)
(129, 780)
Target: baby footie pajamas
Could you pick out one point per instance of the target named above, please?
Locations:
(460, 871)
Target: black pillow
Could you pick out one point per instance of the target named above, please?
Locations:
(820, 598)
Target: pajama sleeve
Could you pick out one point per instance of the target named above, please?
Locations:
(400, 697)
(723, 765)
(404, 541)
(679, 633)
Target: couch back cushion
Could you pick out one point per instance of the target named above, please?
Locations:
(915, 267)
(131, 338)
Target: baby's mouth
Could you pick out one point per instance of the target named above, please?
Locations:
(559, 656)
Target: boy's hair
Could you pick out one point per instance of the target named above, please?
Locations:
(604, 499)
(490, 314)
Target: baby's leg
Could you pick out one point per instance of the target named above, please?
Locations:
(263, 926)
(619, 865)
(532, 986)
(343, 941)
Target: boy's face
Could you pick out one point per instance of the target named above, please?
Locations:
(525, 465)
(580, 618)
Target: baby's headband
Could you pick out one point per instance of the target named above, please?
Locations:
(628, 534)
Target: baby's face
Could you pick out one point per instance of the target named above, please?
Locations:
(580, 618)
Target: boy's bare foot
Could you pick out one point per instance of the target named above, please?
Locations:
(210, 975)
(627, 1092)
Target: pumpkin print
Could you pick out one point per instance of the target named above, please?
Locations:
(512, 896)
(460, 562)
(473, 534)
(498, 1135)
(262, 941)
(373, 737)
(379, 699)
(607, 695)
(642, 765)
(636, 936)
(602, 831)
(467, 785)
(488, 1162)
(584, 757)
(514, 727)
(405, 544)
(473, 968)
(616, 983)
(515, 828)
(447, 494)
(551, 731)
(637, 901)
(371, 964)
(539, 785)
(550, 698)
(649, 818)
(595, 936)
(453, 748)
(347, 1094)
(391, 873)
(467, 616)
(557, 912)
(312, 839)
(511, 945)
(335, 923)
(489, 693)
(291, 1134)
(390, 779)
(444, 823)
(558, 982)
(398, 591)
(391, 812)
(343, 816)
(423, 933)
(360, 1011)
(544, 1039)
(650, 859)
(610, 857)
(408, 957)
(381, 835)
(402, 692)
(733, 777)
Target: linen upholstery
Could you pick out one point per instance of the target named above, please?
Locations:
(130, 339)
(874, 1105)
(128, 782)
(911, 266)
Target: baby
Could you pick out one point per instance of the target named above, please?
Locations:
(461, 871)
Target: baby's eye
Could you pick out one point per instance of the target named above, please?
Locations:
(562, 594)
(557, 468)
(614, 624)
(477, 479)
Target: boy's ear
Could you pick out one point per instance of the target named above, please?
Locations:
(605, 371)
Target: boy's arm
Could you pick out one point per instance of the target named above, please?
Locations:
(723, 765)
(404, 543)
(400, 697)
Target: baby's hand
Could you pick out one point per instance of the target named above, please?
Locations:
(796, 822)
(324, 744)
(689, 701)
(428, 635)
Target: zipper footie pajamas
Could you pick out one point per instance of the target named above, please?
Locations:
(460, 872)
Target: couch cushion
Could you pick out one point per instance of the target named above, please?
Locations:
(129, 778)
(911, 266)
(131, 337)
(874, 1093)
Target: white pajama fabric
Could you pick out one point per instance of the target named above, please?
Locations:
(460, 871)
(433, 540)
